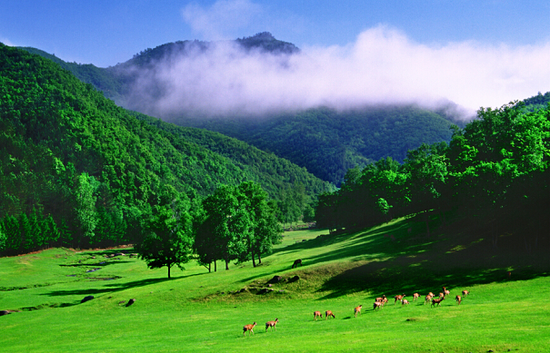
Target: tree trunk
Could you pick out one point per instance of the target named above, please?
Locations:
(259, 258)
(253, 261)
(169, 271)
(226, 265)
(209, 267)
(215, 265)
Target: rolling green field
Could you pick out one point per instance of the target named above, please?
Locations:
(507, 309)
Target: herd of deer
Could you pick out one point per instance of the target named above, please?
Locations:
(430, 298)
(378, 303)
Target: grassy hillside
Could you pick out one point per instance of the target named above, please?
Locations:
(197, 310)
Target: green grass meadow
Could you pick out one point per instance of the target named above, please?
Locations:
(507, 309)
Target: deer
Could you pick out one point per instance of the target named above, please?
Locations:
(458, 299)
(271, 324)
(416, 296)
(446, 291)
(382, 299)
(377, 305)
(429, 298)
(465, 293)
(437, 301)
(249, 328)
(358, 310)
(296, 263)
(404, 302)
(329, 313)
(399, 297)
(317, 314)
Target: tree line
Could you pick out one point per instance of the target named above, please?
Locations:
(235, 223)
(493, 174)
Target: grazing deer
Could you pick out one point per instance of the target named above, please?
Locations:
(458, 299)
(317, 314)
(437, 301)
(296, 263)
(358, 310)
(382, 299)
(416, 296)
(377, 305)
(399, 297)
(271, 324)
(404, 302)
(465, 293)
(329, 313)
(429, 298)
(249, 328)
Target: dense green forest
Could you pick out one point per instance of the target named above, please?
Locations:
(75, 169)
(325, 142)
(328, 143)
(492, 177)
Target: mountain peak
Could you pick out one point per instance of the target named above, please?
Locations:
(266, 41)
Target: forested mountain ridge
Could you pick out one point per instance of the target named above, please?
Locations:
(328, 143)
(324, 141)
(70, 156)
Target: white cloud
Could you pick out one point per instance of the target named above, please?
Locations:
(382, 66)
(222, 19)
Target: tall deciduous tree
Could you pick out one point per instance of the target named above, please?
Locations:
(168, 240)
(265, 230)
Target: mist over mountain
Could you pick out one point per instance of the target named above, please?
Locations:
(260, 76)
(325, 109)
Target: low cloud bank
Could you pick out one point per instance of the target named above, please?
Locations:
(382, 66)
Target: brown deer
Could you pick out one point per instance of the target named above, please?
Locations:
(249, 328)
(377, 305)
(404, 302)
(317, 314)
(358, 310)
(458, 299)
(465, 293)
(416, 296)
(382, 299)
(428, 299)
(329, 313)
(271, 324)
(437, 301)
(297, 263)
(446, 291)
(399, 297)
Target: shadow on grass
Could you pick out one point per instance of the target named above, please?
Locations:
(115, 287)
(400, 257)
(94, 264)
(423, 264)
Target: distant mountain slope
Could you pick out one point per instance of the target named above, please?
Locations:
(61, 139)
(328, 143)
(322, 140)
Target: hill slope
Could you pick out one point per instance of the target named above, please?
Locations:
(324, 141)
(66, 147)
(328, 143)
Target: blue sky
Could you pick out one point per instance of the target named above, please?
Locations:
(472, 52)
(105, 32)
